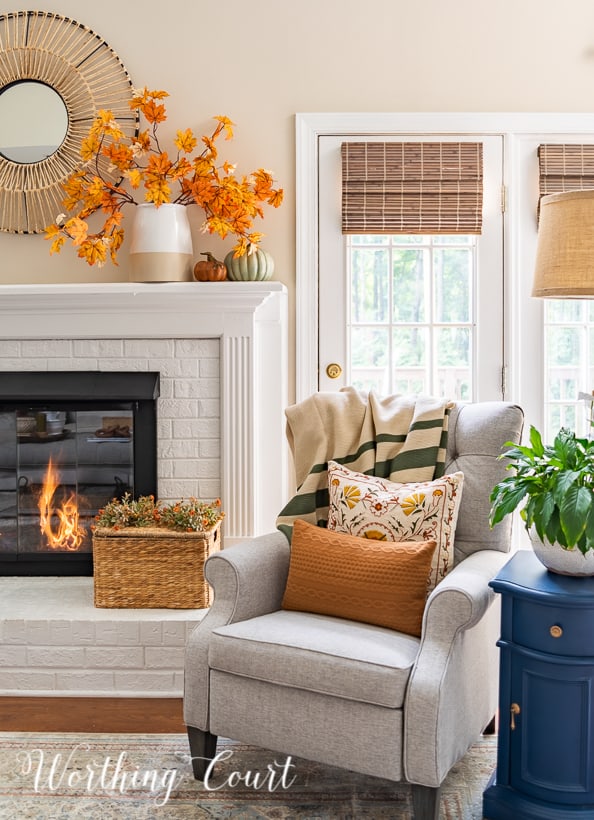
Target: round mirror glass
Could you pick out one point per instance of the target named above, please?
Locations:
(33, 121)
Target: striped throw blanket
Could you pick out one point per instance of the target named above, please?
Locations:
(401, 438)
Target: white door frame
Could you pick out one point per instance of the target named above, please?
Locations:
(523, 315)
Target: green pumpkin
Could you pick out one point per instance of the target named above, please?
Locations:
(255, 267)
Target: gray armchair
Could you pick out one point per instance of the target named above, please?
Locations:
(350, 694)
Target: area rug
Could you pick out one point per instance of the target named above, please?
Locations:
(141, 777)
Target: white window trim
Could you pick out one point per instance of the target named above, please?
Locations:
(523, 315)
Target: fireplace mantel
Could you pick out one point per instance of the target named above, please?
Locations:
(249, 319)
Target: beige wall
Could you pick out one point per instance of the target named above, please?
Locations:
(261, 61)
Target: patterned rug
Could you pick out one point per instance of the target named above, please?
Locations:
(141, 777)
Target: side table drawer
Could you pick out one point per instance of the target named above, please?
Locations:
(556, 630)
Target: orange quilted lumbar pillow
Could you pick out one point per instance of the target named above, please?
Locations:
(376, 582)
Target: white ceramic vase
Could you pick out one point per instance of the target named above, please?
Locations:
(562, 561)
(160, 244)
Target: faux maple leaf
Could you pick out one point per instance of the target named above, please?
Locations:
(154, 113)
(185, 141)
(94, 251)
(77, 229)
(158, 192)
(227, 125)
(134, 176)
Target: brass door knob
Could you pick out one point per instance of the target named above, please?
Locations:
(333, 370)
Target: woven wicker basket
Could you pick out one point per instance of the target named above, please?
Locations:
(146, 568)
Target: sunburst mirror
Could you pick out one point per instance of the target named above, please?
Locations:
(55, 74)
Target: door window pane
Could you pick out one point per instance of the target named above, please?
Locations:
(410, 347)
(454, 357)
(453, 279)
(409, 359)
(369, 284)
(410, 270)
(369, 358)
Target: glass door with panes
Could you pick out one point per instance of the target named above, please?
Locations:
(409, 313)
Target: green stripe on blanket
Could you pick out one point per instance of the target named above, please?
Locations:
(401, 438)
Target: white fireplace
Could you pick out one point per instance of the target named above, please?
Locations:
(222, 350)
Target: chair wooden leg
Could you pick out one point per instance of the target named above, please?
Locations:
(203, 748)
(425, 802)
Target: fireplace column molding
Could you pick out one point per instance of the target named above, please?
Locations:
(249, 319)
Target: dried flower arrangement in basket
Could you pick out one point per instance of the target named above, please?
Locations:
(182, 516)
(150, 554)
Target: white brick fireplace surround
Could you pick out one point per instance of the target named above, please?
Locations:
(221, 349)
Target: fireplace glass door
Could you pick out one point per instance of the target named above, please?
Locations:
(58, 467)
(69, 442)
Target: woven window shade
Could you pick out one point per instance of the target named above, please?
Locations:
(412, 187)
(565, 168)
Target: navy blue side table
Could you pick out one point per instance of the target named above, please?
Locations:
(545, 753)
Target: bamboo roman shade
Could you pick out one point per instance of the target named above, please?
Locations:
(565, 168)
(412, 187)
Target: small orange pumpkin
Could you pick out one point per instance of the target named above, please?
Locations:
(209, 269)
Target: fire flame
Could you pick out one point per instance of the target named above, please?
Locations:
(68, 534)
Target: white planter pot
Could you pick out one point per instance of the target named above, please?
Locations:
(160, 244)
(562, 561)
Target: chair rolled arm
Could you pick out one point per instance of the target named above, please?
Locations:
(248, 580)
(455, 673)
(462, 598)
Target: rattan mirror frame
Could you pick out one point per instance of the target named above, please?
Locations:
(88, 75)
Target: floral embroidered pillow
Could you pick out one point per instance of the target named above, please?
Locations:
(372, 507)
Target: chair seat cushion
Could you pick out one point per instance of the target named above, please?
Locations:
(318, 653)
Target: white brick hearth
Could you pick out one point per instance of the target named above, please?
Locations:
(53, 641)
(221, 351)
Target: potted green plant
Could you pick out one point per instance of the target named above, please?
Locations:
(555, 484)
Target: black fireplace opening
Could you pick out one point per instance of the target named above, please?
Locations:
(69, 442)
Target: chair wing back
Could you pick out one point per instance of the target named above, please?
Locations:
(476, 437)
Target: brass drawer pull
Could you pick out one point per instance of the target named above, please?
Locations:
(556, 631)
(515, 710)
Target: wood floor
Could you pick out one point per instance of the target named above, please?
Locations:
(126, 715)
